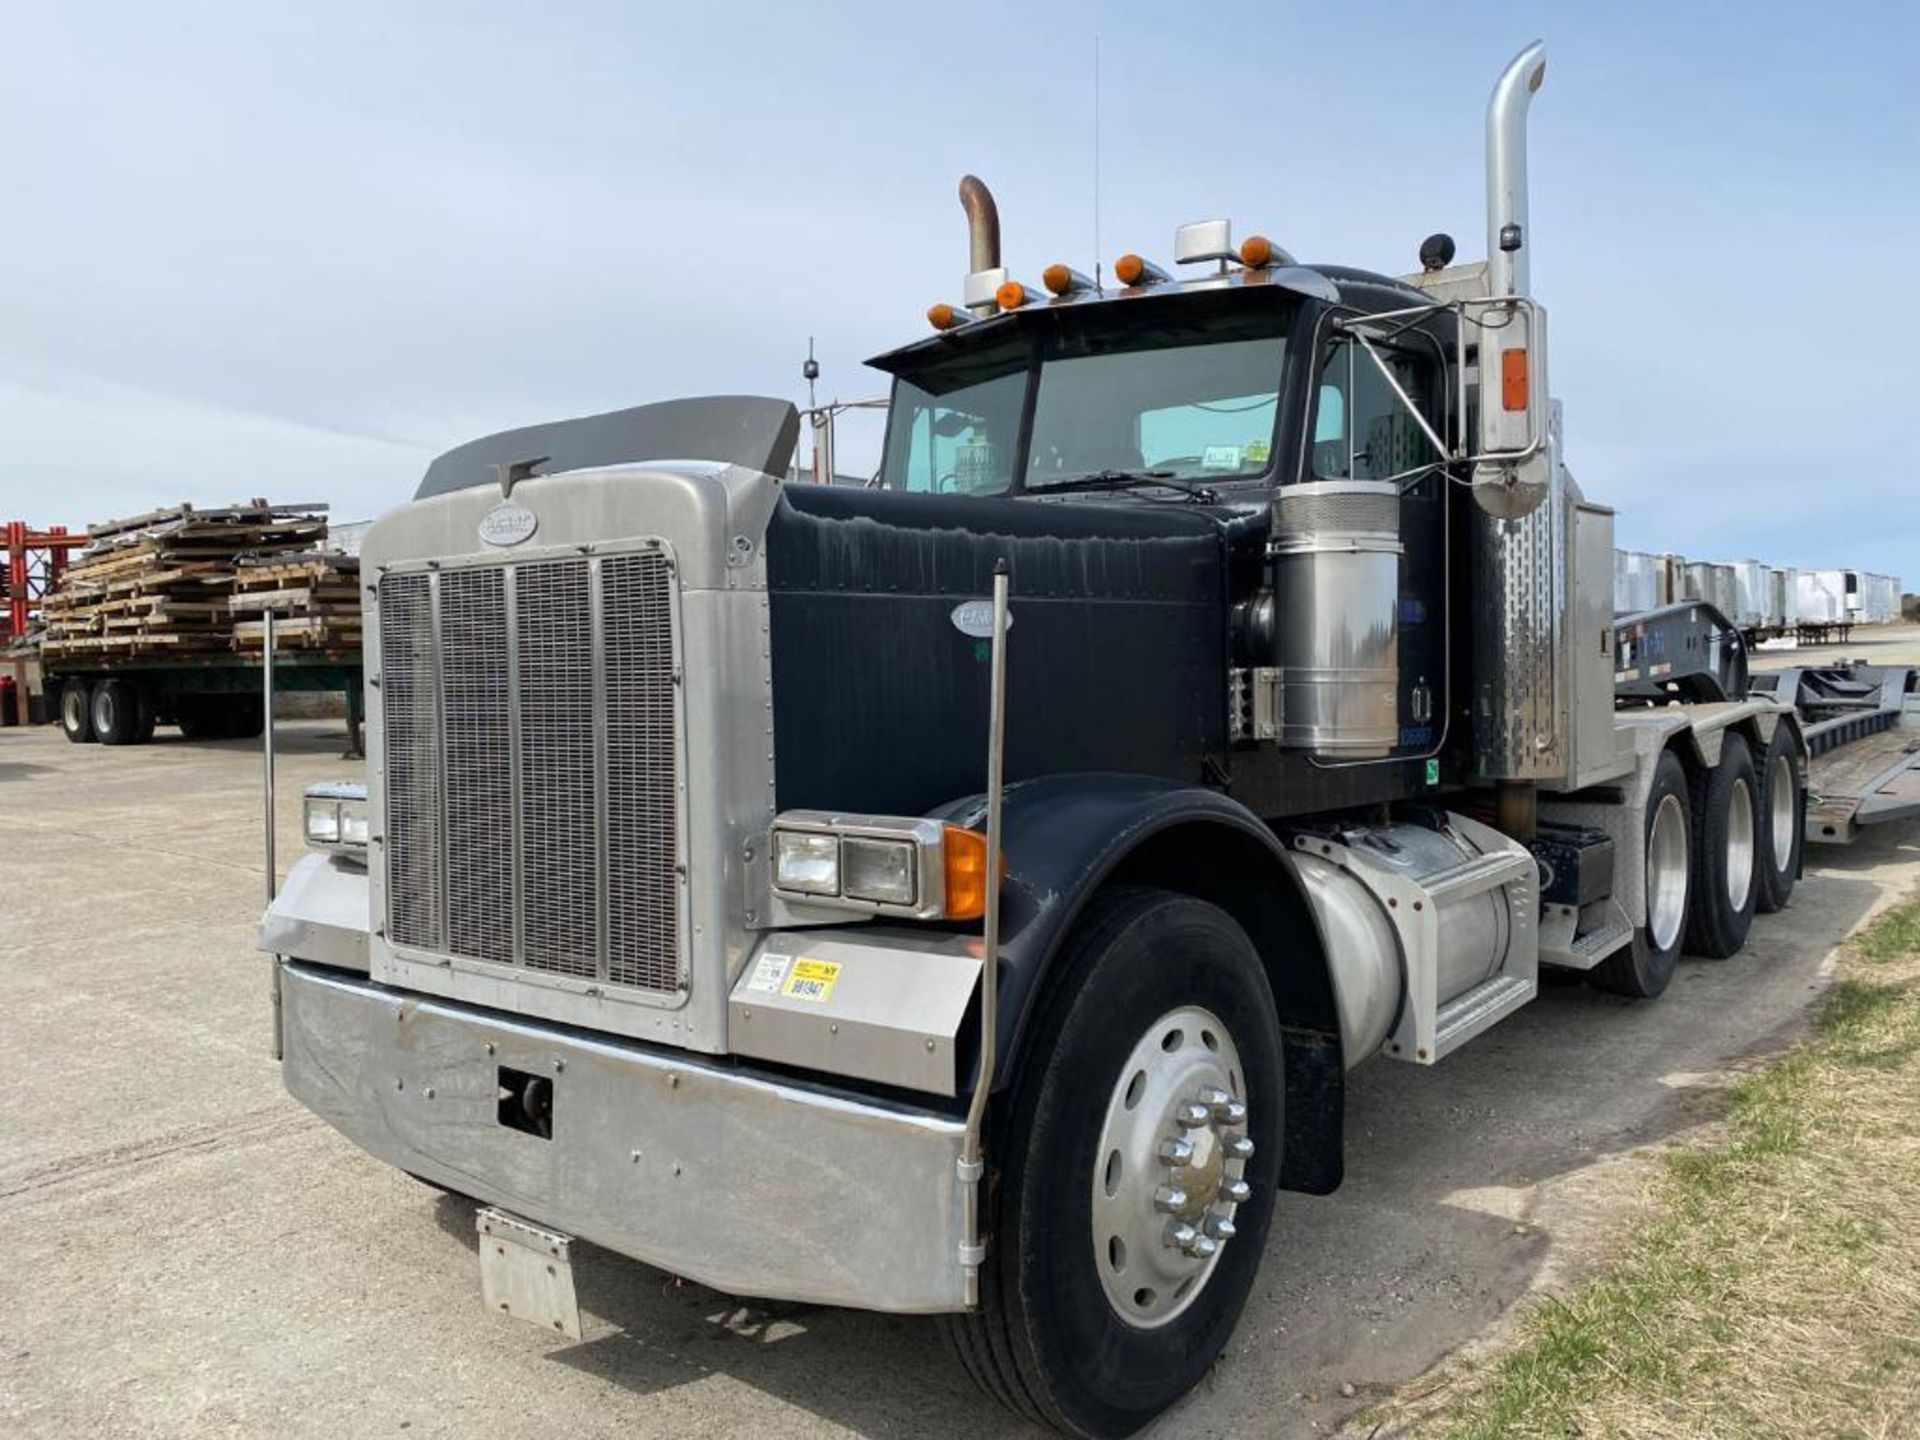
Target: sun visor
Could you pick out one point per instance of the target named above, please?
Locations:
(751, 431)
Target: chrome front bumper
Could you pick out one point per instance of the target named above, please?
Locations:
(747, 1183)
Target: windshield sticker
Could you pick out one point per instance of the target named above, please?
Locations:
(1256, 452)
(1221, 457)
(812, 980)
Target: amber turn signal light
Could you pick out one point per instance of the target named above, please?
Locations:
(1513, 379)
(966, 866)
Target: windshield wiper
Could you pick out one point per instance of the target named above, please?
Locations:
(1130, 480)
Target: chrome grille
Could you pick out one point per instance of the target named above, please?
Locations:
(408, 698)
(532, 791)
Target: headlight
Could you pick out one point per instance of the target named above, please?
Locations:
(334, 817)
(882, 865)
(323, 821)
(808, 863)
(882, 871)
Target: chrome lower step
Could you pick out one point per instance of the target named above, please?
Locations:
(1465, 1016)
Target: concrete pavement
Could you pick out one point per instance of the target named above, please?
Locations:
(189, 1253)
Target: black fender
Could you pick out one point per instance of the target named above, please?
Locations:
(1066, 836)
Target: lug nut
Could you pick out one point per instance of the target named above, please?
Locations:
(1180, 1234)
(1240, 1148)
(1238, 1191)
(1169, 1198)
(1191, 1116)
(1213, 1097)
(1202, 1247)
(1177, 1152)
(1230, 1112)
(1221, 1228)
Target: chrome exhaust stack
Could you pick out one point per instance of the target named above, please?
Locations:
(1513, 469)
(1507, 269)
(985, 273)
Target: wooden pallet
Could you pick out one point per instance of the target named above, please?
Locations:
(172, 580)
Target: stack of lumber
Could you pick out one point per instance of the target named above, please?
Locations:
(314, 597)
(161, 584)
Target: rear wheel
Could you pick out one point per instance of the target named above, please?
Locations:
(1138, 1155)
(196, 717)
(1645, 968)
(1726, 853)
(116, 712)
(1783, 822)
(76, 711)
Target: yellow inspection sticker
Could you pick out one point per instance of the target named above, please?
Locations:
(812, 980)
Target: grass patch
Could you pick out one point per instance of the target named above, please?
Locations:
(1776, 1291)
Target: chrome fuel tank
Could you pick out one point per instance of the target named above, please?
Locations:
(1336, 549)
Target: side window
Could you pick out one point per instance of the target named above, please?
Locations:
(960, 443)
(1361, 429)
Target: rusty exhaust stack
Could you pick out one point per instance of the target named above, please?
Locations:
(983, 245)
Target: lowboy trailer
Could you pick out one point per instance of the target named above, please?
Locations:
(968, 895)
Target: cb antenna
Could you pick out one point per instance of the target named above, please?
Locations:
(810, 372)
(1096, 165)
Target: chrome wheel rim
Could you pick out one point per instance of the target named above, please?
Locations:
(1667, 872)
(1170, 1171)
(1740, 836)
(74, 704)
(1783, 806)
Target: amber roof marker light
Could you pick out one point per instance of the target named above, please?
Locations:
(1133, 270)
(1064, 280)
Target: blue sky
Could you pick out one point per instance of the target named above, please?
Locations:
(296, 250)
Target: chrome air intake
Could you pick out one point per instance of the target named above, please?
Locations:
(1336, 548)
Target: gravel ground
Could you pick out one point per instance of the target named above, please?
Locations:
(189, 1253)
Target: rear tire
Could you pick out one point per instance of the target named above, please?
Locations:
(116, 712)
(1783, 824)
(76, 711)
(1095, 1312)
(1726, 853)
(1645, 968)
(147, 714)
(245, 716)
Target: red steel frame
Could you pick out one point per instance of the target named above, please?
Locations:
(35, 561)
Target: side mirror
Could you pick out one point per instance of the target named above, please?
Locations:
(1512, 467)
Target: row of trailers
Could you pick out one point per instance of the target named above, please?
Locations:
(1764, 601)
(1686, 639)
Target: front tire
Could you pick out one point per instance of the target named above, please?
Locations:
(1138, 1154)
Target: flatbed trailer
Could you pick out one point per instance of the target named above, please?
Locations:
(1862, 726)
(210, 697)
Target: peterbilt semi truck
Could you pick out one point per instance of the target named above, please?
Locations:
(967, 895)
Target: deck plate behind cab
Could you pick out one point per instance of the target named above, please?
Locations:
(1869, 782)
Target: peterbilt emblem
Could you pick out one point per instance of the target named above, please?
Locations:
(508, 525)
(975, 618)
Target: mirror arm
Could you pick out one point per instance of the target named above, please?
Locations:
(1433, 436)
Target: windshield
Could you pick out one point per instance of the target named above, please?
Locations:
(1132, 391)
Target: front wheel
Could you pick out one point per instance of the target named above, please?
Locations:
(1137, 1163)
